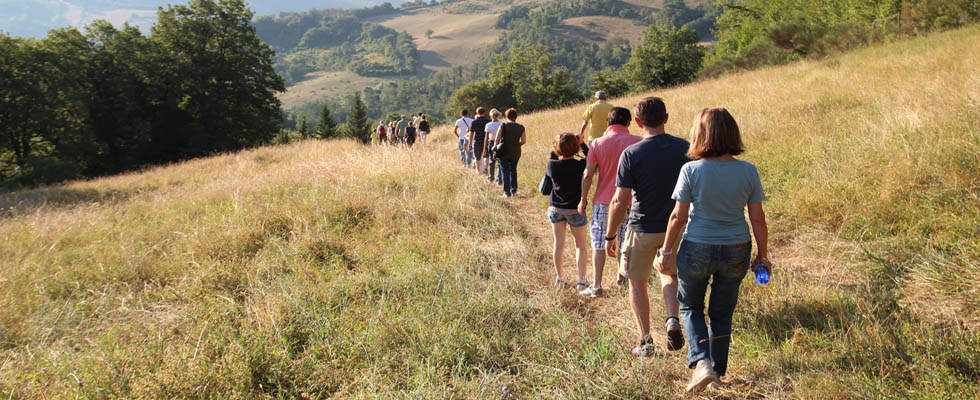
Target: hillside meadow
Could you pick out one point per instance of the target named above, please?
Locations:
(335, 270)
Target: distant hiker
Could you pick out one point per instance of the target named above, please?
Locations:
(400, 128)
(513, 136)
(594, 118)
(461, 129)
(410, 134)
(415, 119)
(566, 175)
(492, 163)
(717, 245)
(392, 134)
(646, 174)
(423, 129)
(603, 160)
(477, 138)
(381, 133)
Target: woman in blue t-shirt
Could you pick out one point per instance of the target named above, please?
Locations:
(717, 245)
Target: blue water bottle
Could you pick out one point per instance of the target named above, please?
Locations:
(761, 273)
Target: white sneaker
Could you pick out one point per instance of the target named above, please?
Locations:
(703, 375)
(582, 285)
(591, 291)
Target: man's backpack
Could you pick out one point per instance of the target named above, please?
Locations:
(424, 126)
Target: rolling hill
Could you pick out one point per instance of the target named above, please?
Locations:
(330, 269)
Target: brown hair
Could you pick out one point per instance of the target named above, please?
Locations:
(715, 133)
(651, 112)
(565, 144)
(464, 113)
(480, 111)
(619, 116)
(511, 114)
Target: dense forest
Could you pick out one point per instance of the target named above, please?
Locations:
(77, 104)
(332, 41)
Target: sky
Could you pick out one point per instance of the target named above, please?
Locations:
(34, 18)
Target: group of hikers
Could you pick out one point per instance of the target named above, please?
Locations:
(491, 145)
(401, 131)
(674, 208)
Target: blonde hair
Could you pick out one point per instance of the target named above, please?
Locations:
(495, 114)
(715, 133)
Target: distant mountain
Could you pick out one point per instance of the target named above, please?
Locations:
(34, 18)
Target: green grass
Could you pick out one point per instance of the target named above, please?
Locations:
(333, 270)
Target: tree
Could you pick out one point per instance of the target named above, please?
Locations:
(428, 34)
(610, 81)
(529, 75)
(304, 129)
(358, 126)
(220, 76)
(326, 128)
(667, 57)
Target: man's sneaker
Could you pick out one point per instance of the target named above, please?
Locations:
(645, 348)
(675, 336)
(561, 283)
(582, 285)
(717, 384)
(703, 375)
(622, 282)
(591, 291)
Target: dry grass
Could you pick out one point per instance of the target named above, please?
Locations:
(458, 38)
(336, 270)
(602, 29)
(321, 84)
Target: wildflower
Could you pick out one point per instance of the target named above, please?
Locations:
(101, 329)
(80, 383)
(43, 369)
(198, 388)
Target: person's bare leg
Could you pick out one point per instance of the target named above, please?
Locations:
(581, 250)
(641, 305)
(598, 265)
(558, 230)
(668, 285)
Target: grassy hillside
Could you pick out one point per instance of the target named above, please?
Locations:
(336, 270)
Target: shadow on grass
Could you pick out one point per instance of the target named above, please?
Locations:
(29, 201)
(781, 322)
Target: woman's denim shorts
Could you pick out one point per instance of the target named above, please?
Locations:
(575, 220)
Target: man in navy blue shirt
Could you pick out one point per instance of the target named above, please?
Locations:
(647, 175)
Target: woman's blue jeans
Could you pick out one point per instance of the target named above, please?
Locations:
(508, 169)
(725, 267)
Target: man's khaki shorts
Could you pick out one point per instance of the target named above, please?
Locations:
(639, 250)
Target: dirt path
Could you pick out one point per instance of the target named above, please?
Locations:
(613, 308)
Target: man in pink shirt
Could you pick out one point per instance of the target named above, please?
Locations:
(603, 159)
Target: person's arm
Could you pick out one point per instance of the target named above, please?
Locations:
(590, 169)
(456, 131)
(500, 135)
(678, 218)
(617, 211)
(761, 232)
(524, 137)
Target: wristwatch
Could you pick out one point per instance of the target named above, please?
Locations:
(664, 253)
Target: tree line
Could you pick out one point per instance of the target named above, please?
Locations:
(82, 104)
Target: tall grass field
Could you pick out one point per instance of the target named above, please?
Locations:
(336, 270)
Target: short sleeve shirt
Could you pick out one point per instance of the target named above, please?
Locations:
(650, 168)
(464, 125)
(605, 155)
(596, 114)
(718, 191)
(400, 128)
